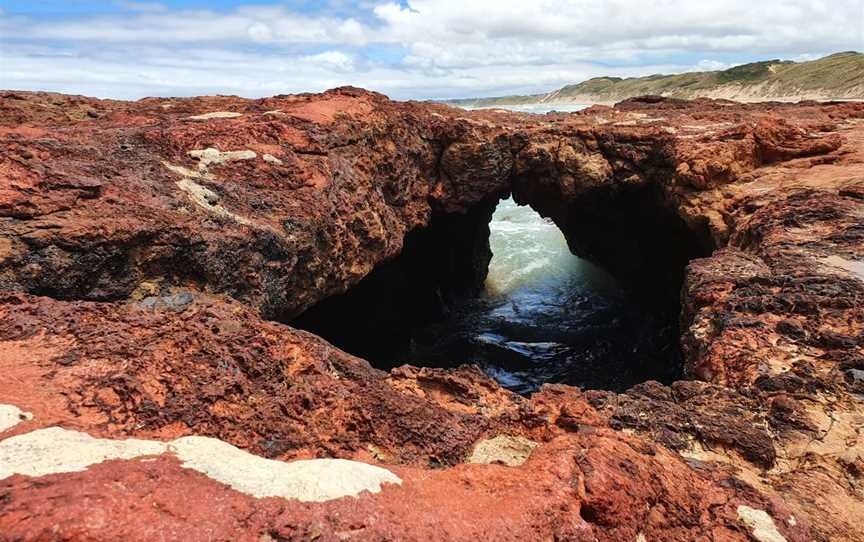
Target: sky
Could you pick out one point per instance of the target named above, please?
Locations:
(407, 49)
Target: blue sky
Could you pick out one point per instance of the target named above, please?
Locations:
(94, 7)
(406, 48)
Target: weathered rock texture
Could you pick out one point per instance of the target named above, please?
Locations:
(149, 249)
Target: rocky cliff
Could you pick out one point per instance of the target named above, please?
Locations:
(154, 254)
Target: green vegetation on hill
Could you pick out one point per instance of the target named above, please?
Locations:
(838, 76)
(501, 100)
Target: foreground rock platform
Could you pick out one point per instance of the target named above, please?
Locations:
(149, 251)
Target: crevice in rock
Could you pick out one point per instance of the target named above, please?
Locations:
(441, 264)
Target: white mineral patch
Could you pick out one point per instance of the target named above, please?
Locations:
(185, 172)
(211, 156)
(201, 195)
(761, 525)
(853, 267)
(272, 159)
(216, 115)
(10, 416)
(315, 480)
(206, 198)
(56, 450)
(512, 451)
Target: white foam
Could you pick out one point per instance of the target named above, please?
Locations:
(506, 226)
(504, 278)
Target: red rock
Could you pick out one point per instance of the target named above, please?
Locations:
(139, 287)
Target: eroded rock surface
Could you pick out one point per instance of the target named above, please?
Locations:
(146, 249)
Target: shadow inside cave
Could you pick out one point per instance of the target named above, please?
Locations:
(534, 314)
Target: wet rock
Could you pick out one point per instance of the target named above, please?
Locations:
(174, 302)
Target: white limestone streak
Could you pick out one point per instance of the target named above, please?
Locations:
(504, 449)
(314, 480)
(211, 156)
(207, 199)
(269, 158)
(216, 115)
(200, 195)
(56, 450)
(10, 416)
(761, 525)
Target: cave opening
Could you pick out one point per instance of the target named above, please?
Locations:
(501, 287)
(439, 268)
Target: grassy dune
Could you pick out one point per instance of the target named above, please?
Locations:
(839, 76)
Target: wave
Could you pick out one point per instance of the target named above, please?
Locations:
(545, 316)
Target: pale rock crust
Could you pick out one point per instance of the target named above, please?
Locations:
(211, 156)
(56, 450)
(761, 525)
(504, 449)
(312, 480)
(777, 330)
(10, 416)
(207, 199)
(200, 195)
(216, 115)
(186, 172)
(852, 267)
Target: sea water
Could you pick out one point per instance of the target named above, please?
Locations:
(547, 316)
(539, 108)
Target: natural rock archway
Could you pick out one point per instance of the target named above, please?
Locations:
(629, 229)
(147, 250)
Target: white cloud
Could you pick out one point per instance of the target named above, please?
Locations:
(152, 7)
(260, 33)
(491, 31)
(710, 66)
(433, 47)
(245, 24)
(334, 59)
(806, 57)
(195, 71)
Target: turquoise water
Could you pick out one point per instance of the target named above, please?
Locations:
(530, 252)
(539, 108)
(547, 316)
